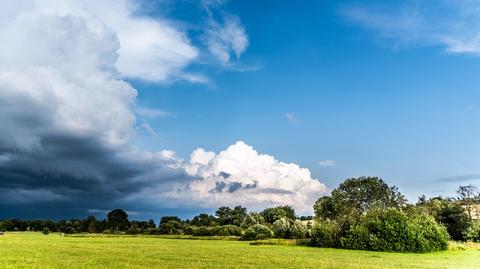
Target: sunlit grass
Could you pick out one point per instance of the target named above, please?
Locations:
(34, 250)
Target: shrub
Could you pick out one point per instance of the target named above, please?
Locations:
(473, 232)
(170, 227)
(392, 230)
(281, 228)
(298, 230)
(326, 234)
(45, 231)
(257, 232)
(152, 231)
(233, 230)
(203, 231)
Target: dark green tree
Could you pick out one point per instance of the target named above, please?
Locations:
(117, 220)
(357, 195)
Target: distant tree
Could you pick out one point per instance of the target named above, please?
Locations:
(299, 230)
(455, 219)
(166, 219)
(358, 195)
(238, 215)
(325, 208)
(251, 219)
(224, 215)
(469, 197)
(204, 220)
(151, 224)
(7, 225)
(281, 228)
(448, 212)
(46, 231)
(118, 220)
(273, 214)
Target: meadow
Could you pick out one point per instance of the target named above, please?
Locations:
(34, 250)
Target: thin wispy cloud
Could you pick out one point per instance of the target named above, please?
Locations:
(292, 117)
(460, 178)
(225, 37)
(327, 163)
(451, 25)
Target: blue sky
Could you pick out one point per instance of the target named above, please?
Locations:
(178, 107)
(407, 114)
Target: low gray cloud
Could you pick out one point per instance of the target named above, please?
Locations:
(460, 178)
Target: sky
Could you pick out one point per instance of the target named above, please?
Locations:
(178, 107)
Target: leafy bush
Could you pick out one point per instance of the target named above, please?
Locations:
(233, 230)
(473, 232)
(170, 227)
(281, 228)
(152, 231)
(326, 234)
(392, 230)
(45, 231)
(257, 232)
(225, 230)
(299, 230)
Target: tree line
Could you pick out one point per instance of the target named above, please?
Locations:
(361, 213)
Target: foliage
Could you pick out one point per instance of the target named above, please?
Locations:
(252, 219)
(257, 232)
(117, 220)
(46, 231)
(170, 226)
(326, 233)
(358, 195)
(299, 230)
(204, 220)
(469, 198)
(473, 232)
(270, 215)
(392, 230)
(234, 216)
(281, 228)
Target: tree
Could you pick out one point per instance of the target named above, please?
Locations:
(325, 208)
(281, 228)
(118, 220)
(204, 220)
(273, 214)
(251, 219)
(358, 195)
(151, 224)
(453, 216)
(469, 197)
(7, 225)
(299, 230)
(224, 215)
(166, 219)
(238, 214)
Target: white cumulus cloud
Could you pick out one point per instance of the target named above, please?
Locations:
(241, 175)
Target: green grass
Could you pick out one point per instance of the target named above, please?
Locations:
(34, 250)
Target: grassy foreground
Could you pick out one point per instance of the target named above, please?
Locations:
(34, 250)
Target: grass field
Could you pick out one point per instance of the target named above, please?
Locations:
(34, 250)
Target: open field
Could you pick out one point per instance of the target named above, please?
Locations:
(34, 250)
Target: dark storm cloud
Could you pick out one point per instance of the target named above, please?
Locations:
(77, 173)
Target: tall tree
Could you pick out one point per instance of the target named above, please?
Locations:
(118, 220)
(358, 195)
(469, 197)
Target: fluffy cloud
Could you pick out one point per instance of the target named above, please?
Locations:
(240, 175)
(453, 25)
(150, 49)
